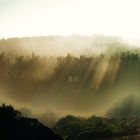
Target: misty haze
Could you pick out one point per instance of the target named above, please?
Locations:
(69, 70)
(73, 75)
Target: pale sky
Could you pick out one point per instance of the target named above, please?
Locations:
(66, 17)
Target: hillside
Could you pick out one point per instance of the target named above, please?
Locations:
(62, 45)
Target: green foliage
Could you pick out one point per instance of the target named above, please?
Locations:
(71, 127)
(77, 128)
(68, 126)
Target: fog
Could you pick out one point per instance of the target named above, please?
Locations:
(62, 45)
(80, 75)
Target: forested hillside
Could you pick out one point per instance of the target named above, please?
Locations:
(92, 84)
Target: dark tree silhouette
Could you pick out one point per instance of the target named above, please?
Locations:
(15, 127)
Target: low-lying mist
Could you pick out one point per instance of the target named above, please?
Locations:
(77, 75)
(62, 45)
(126, 108)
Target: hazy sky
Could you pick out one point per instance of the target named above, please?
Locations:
(66, 17)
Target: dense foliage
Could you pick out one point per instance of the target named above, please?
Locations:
(72, 71)
(93, 82)
(15, 127)
(77, 128)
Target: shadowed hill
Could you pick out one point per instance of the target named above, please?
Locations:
(15, 127)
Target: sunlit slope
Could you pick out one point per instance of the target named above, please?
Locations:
(80, 85)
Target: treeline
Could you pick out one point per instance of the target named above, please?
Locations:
(89, 80)
(14, 126)
(67, 69)
(97, 128)
(88, 72)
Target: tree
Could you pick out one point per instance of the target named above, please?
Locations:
(14, 127)
(68, 127)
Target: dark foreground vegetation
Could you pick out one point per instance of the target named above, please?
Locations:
(98, 128)
(15, 127)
